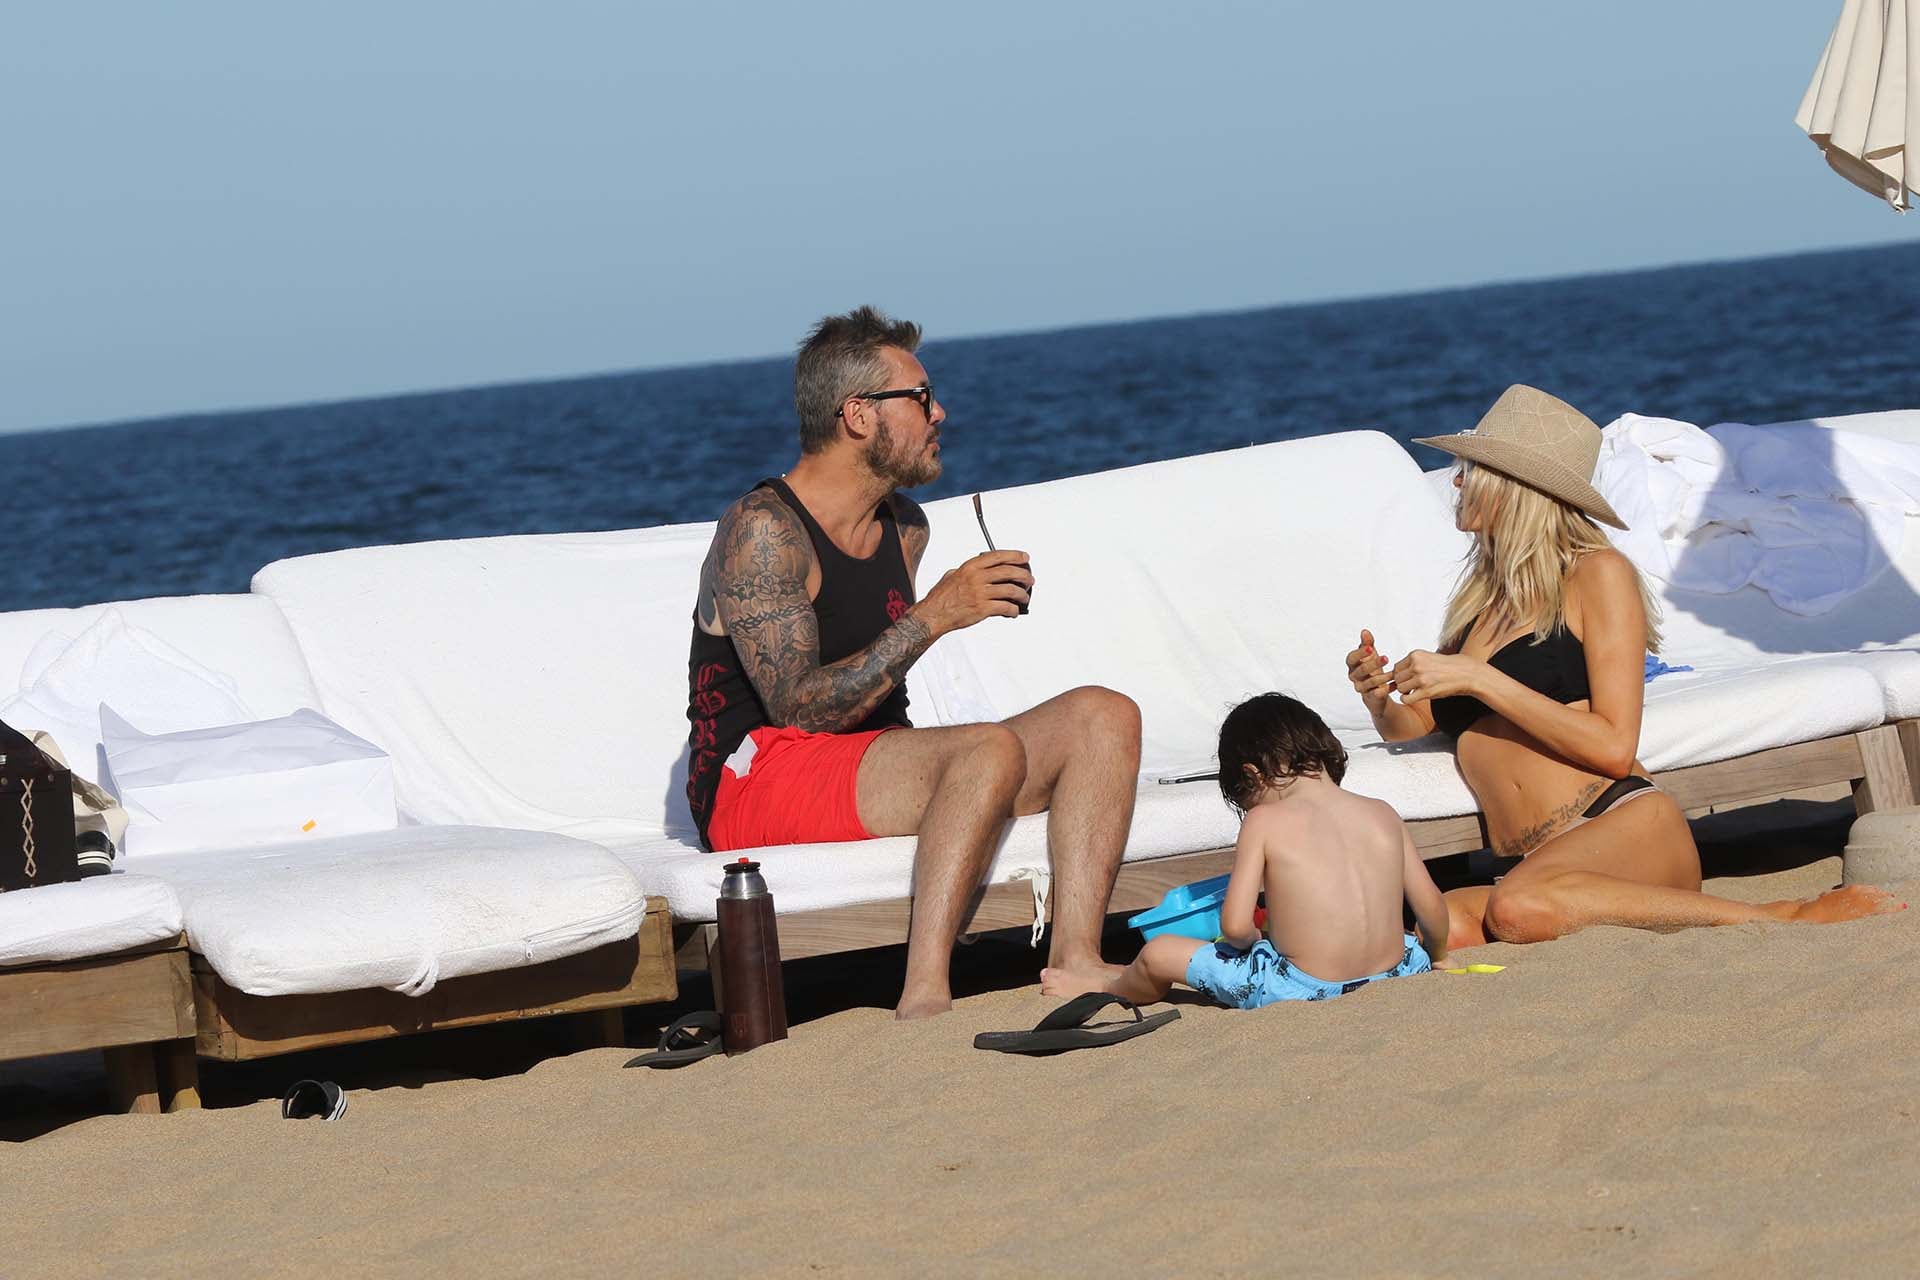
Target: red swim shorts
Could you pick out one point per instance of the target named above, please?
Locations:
(793, 787)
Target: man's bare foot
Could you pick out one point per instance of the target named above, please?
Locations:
(1089, 965)
(1077, 982)
(926, 1006)
(1851, 902)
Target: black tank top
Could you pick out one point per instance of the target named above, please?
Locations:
(1557, 667)
(858, 600)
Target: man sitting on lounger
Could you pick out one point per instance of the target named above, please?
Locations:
(806, 624)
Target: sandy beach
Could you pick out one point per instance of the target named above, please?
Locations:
(1738, 1101)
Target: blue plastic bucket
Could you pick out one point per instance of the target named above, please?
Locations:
(1191, 911)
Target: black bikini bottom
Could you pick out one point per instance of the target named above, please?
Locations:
(1613, 796)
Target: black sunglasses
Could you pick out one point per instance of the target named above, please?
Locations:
(923, 394)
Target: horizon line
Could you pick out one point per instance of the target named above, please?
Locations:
(995, 335)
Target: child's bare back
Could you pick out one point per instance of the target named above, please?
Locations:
(1335, 869)
(1335, 878)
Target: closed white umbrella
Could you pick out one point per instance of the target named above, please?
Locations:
(1864, 103)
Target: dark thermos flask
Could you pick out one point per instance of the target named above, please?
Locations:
(753, 1002)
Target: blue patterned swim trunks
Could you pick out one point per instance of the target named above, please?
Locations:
(1262, 976)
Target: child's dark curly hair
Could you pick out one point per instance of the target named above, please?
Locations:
(1269, 739)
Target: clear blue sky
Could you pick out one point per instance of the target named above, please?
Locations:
(216, 205)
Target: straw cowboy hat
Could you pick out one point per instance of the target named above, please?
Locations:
(1544, 443)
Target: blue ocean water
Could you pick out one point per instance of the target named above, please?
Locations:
(197, 503)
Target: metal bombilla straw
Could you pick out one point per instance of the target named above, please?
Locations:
(981, 516)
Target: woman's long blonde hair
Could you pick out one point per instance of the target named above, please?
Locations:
(1520, 559)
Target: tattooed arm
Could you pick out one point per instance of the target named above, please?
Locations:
(756, 577)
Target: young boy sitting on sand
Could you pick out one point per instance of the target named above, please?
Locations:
(1335, 868)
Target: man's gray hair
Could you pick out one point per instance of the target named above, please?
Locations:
(841, 358)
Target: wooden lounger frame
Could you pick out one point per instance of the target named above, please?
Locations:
(152, 1009)
(234, 1026)
(1881, 766)
(136, 1006)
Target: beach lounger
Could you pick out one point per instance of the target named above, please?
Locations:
(1187, 584)
(321, 942)
(418, 929)
(100, 964)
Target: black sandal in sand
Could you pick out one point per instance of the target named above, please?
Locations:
(692, 1045)
(1066, 1027)
(314, 1099)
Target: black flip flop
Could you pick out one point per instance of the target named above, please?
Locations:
(1066, 1027)
(314, 1098)
(692, 1044)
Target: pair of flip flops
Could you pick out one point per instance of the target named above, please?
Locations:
(694, 1036)
(688, 1038)
(314, 1100)
(1071, 1026)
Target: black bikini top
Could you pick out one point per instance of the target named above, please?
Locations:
(1557, 667)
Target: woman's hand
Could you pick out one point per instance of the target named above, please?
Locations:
(1371, 679)
(1367, 671)
(1423, 674)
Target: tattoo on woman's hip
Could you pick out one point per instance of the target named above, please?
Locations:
(1531, 838)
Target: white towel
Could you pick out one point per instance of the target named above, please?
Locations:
(1807, 515)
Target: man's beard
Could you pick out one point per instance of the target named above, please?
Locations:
(887, 459)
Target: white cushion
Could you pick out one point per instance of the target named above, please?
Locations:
(534, 682)
(1420, 779)
(130, 667)
(93, 917)
(1898, 671)
(1167, 820)
(1192, 584)
(1706, 716)
(398, 909)
(241, 637)
(295, 777)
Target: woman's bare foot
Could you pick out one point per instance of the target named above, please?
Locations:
(1850, 902)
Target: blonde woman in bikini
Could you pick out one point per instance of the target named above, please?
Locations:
(1539, 680)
